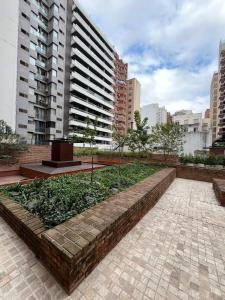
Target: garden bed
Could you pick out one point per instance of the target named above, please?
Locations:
(72, 249)
(58, 199)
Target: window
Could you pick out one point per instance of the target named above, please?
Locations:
(24, 32)
(52, 98)
(26, 1)
(31, 75)
(30, 122)
(22, 126)
(61, 45)
(54, 86)
(54, 73)
(32, 60)
(62, 20)
(54, 60)
(60, 30)
(24, 48)
(55, 8)
(32, 46)
(54, 47)
(31, 91)
(23, 110)
(23, 79)
(59, 119)
(59, 94)
(63, 8)
(61, 57)
(50, 124)
(23, 63)
(25, 16)
(60, 69)
(60, 82)
(55, 34)
(59, 106)
(58, 131)
(23, 95)
(34, 16)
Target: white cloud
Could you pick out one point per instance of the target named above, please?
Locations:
(178, 42)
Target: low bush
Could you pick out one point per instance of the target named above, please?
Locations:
(58, 199)
(211, 160)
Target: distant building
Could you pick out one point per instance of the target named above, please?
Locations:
(221, 90)
(133, 100)
(207, 113)
(169, 118)
(214, 105)
(120, 88)
(155, 114)
(198, 134)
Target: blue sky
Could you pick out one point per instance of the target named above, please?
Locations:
(171, 45)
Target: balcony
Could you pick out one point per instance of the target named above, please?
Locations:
(41, 77)
(86, 114)
(41, 50)
(40, 129)
(40, 63)
(90, 105)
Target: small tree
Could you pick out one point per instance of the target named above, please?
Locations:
(168, 138)
(139, 139)
(87, 136)
(10, 143)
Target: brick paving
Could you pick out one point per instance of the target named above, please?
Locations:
(175, 252)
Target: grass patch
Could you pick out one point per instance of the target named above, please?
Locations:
(58, 199)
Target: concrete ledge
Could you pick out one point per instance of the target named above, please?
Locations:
(199, 173)
(73, 249)
(219, 189)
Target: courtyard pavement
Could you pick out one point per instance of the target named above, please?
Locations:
(177, 251)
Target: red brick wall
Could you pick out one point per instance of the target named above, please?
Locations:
(197, 173)
(35, 154)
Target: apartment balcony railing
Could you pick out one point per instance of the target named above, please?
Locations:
(40, 63)
(39, 129)
(85, 123)
(42, 37)
(45, 26)
(41, 103)
(94, 115)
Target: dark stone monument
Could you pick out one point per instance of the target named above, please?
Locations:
(61, 155)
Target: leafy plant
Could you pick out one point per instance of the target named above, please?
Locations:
(168, 138)
(139, 139)
(58, 199)
(10, 143)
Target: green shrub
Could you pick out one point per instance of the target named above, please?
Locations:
(58, 199)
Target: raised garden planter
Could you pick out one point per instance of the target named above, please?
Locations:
(72, 249)
(200, 173)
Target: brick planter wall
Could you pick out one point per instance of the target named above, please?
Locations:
(219, 189)
(112, 160)
(35, 154)
(72, 250)
(198, 173)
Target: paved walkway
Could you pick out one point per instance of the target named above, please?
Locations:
(177, 251)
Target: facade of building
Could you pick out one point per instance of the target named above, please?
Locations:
(65, 72)
(133, 100)
(214, 105)
(221, 90)
(120, 90)
(207, 113)
(91, 79)
(198, 134)
(41, 69)
(9, 16)
(155, 114)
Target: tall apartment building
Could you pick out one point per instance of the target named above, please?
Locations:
(221, 93)
(120, 88)
(92, 71)
(155, 114)
(65, 72)
(214, 105)
(41, 69)
(133, 100)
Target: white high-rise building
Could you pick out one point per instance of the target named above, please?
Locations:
(155, 114)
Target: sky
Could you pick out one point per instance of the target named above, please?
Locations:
(171, 46)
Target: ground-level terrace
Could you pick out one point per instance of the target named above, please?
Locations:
(175, 252)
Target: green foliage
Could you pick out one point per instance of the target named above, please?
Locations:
(58, 199)
(138, 139)
(203, 159)
(168, 138)
(10, 143)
